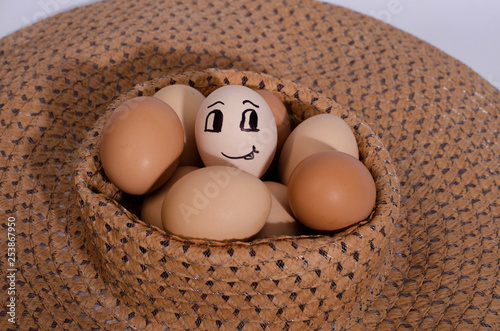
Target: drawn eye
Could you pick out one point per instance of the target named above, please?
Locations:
(213, 122)
(249, 121)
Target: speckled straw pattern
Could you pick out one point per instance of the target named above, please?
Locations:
(427, 127)
(294, 281)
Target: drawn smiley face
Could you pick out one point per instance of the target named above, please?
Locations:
(235, 126)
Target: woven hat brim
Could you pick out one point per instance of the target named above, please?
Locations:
(438, 119)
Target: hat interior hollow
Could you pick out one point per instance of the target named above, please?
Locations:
(346, 269)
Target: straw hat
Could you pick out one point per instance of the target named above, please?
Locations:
(425, 123)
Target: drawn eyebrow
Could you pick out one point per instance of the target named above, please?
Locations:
(216, 102)
(248, 101)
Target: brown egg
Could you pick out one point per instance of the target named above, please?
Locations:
(331, 190)
(281, 221)
(153, 202)
(316, 134)
(280, 116)
(141, 144)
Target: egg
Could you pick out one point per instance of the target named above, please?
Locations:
(153, 202)
(280, 117)
(331, 190)
(315, 134)
(281, 221)
(283, 126)
(216, 203)
(141, 144)
(235, 127)
(185, 101)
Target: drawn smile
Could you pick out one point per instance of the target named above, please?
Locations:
(248, 156)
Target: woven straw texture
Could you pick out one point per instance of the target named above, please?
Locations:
(282, 281)
(438, 267)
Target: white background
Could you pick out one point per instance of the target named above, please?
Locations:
(465, 29)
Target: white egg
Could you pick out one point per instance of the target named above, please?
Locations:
(235, 126)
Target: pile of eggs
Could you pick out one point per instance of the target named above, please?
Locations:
(229, 167)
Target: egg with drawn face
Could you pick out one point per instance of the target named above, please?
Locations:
(236, 127)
